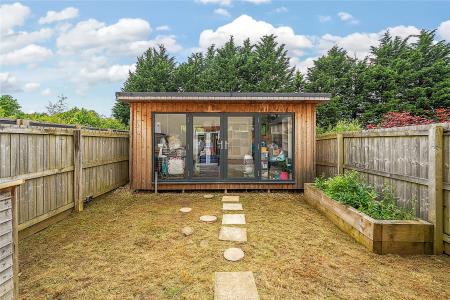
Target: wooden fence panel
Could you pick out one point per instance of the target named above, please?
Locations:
(9, 261)
(446, 187)
(399, 157)
(401, 162)
(105, 158)
(326, 156)
(44, 158)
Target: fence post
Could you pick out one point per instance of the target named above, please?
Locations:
(435, 188)
(78, 169)
(340, 153)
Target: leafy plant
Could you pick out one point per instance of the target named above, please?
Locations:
(405, 118)
(351, 190)
(341, 126)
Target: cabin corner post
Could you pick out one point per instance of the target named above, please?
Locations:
(435, 185)
(130, 146)
(78, 170)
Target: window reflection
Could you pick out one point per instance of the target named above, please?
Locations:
(170, 145)
(276, 147)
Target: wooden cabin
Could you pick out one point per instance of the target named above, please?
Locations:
(202, 141)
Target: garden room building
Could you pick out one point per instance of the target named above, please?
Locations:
(201, 141)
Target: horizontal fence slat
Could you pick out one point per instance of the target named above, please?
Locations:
(416, 180)
(39, 174)
(92, 164)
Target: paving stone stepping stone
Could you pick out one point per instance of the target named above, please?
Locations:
(235, 285)
(185, 209)
(233, 219)
(234, 234)
(232, 206)
(208, 219)
(230, 199)
(208, 196)
(233, 254)
(187, 230)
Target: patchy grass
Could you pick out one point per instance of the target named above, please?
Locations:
(128, 246)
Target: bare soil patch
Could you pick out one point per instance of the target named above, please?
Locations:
(130, 246)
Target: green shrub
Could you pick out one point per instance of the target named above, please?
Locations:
(351, 190)
(341, 126)
(78, 116)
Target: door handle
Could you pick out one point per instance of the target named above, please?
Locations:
(226, 145)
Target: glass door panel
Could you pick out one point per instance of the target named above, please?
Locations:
(206, 146)
(240, 147)
(276, 147)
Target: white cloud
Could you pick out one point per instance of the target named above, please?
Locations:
(444, 30)
(219, 2)
(17, 40)
(138, 47)
(348, 18)
(402, 32)
(245, 27)
(280, 10)
(302, 65)
(88, 72)
(163, 28)
(55, 16)
(358, 44)
(31, 87)
(127, 36)
(46, 92)
(258, 1)
(8, 83)
(222, 12)
(27, 55)
(323, 19)
(12, 15)
(228, 2)
(114, 73)
(92, 34)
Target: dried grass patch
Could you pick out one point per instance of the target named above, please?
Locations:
(129, 246)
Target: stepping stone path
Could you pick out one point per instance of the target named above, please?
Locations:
(230, 199)
(232, 206)
(235, 285)
(208, 219)
(208, 196)
(187, 230)
(185, 209)
(233, 219)
(234, 234)
(233, 254)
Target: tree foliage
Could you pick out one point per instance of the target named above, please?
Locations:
(401, 75)
(58, 113)
(57, 107)
(9, 107)
(260, 67)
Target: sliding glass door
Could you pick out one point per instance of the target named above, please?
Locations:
(215, 147)
(241, 147)
(206, 145)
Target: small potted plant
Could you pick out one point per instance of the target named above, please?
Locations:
(284, 174)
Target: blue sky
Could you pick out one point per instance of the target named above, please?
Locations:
(84, 49)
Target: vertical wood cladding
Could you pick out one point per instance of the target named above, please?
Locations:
(141, 140)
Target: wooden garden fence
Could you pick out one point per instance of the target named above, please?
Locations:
(414, 160)
(61, 165)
